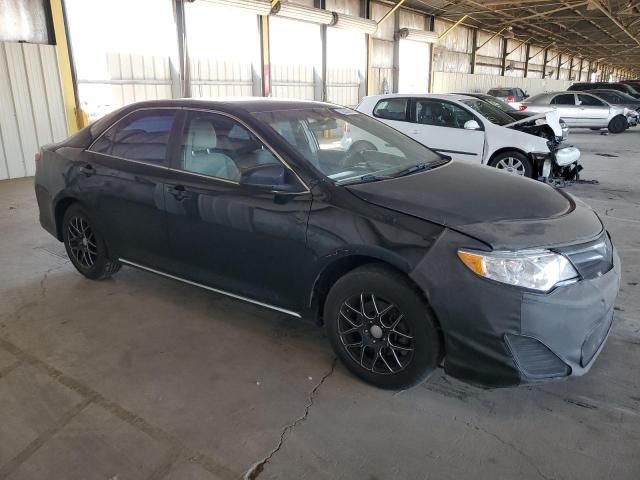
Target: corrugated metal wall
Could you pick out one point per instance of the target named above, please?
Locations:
(445, 82)
(31, 105)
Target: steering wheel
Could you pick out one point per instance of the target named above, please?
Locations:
(352, 159)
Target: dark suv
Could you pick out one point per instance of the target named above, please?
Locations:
(621, 87)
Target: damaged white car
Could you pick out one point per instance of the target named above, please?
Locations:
(470, 129)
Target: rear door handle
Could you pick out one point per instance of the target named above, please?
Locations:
(179, 192)
(87, 170)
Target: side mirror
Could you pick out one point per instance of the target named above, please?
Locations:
(270, 176)
(471, 125)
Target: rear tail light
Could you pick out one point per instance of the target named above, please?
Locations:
(37, 158)
(511, 98)
(522, 108)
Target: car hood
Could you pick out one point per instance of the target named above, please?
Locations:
(501, 209)
(551, 118)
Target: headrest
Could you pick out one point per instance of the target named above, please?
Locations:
(202, 135)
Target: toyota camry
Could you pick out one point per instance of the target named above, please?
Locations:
(410, 260)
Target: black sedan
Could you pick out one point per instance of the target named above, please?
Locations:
(407, 258)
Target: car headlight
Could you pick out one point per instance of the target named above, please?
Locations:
(534, 269)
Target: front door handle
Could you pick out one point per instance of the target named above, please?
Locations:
(87, 170)
(179, 192)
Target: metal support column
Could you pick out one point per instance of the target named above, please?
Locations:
(323, 65)
(76, 119)
(474, 50)
(503, 67)
(184, 72)
(396, 55)
(544, 64)
(265, 58)
(527, 52)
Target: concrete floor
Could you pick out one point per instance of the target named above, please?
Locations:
(141, 377)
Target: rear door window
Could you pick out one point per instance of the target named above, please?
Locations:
(141, 136)
(392, 109)
(564, 99)
(589, 101)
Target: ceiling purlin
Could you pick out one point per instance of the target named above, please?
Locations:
(589, 42)
(584, 33)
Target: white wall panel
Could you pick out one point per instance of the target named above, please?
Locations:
(460, 82)
(32, 112)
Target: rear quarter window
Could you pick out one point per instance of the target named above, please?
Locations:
(392, 109)
(140, 136)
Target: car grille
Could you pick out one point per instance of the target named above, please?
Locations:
(592, 259)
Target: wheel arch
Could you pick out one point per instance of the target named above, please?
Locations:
(62, 205)
(340, 266)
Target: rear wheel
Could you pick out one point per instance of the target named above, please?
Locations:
(513, 162)
(618, 124)
(381, 328)
(85, 246)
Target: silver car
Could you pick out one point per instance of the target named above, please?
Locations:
(580, 110)
(621, 99)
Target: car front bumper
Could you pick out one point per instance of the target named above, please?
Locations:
(499, 335)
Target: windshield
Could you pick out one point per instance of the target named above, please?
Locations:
(491, 113)
(348, 146)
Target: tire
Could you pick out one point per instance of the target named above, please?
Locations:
(85, 245)
(513, 162)
(618, 124)
(401, 346)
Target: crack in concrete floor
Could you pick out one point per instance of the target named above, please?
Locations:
(259, 467)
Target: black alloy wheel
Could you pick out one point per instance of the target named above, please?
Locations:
(382, 328)
(82, 242)
(375, 333)
(85, 246)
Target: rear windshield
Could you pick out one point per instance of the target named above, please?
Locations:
(501, 92)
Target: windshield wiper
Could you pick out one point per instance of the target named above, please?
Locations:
(418, 167)
(369, 177)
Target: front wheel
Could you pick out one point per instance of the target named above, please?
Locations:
(381, 328)
(85, 246)
(513, 162)
(618, 124)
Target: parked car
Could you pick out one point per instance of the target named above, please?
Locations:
(580, 110)
(621, 87)
(407, 258)
(621, 99)
(516, 114)
(470, 129)
(511, 95)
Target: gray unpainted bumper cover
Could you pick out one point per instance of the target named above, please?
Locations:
(476, 314)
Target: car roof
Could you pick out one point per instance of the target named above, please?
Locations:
(474, 94)
(439, 96)
(248, 104)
